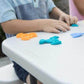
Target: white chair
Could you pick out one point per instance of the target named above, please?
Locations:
(8, 76)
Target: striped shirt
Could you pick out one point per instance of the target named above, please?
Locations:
(25, 10)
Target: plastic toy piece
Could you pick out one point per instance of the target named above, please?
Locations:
(26, 36)
(42, 41)
(54, 37)
(74, 25)
(33, 34)
(56, 43)
(48, 41)
(19, 35)
(52, 40)
(75, 35)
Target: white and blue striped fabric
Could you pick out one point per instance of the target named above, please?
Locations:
(25, 10)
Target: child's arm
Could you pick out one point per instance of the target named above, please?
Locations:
(47, 25)
(80, 6)
(63, 16)
(56, 12)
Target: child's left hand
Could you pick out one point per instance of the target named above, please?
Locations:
(68, 19)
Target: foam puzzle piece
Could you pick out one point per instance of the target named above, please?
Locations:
(26, 36)
(42, 41)
(54, 37)
(52, 40)
(48, 41)
(75, 35)
(56, 43)
(74, 25)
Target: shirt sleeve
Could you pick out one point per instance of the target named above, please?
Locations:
(51, 5)
(7, 11)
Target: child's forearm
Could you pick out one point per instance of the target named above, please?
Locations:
(80, 5)
(17, 26)
(56, 12)
(25, 26)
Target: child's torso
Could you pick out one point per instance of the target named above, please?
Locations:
(31, 9)
(74, 11)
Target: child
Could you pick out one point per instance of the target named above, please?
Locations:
(31, 15)
(77, 8)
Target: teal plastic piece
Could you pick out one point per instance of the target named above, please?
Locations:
(56, 43)
(52, 40)
(54, 37)
(48, 41)
(74, 25)
(42, 41)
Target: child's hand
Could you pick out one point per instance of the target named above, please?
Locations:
(68, 19)
(54, 26)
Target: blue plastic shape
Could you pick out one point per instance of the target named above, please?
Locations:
(75, 35)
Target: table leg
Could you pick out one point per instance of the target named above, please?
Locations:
(33, 80)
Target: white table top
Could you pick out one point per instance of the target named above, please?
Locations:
(51, 64)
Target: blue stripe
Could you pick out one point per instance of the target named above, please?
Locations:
(21, 2)
(9, 35)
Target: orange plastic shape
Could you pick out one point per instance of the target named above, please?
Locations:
(26, 36)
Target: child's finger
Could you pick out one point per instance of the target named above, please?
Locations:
(55, 30)
(71, 20)
(76, 19)
(67, 19)
(61, 28)
(64, 25)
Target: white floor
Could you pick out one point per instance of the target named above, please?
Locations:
(4, 61)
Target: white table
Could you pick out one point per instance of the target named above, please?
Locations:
(51, 64)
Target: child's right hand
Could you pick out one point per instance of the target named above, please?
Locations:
(55, 26)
